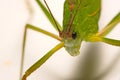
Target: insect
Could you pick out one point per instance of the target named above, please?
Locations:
(80, 23)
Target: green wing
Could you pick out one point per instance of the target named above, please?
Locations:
(84, 16)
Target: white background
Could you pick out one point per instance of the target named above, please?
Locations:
(97, 61)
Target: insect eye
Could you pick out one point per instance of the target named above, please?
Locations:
(74, 35)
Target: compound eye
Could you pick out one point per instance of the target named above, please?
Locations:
(74, 35)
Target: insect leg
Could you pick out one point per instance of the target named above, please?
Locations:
(100, 35)
(28, 26)
(110, 26)
(42, 60)
(48, 15)
(95, 38)
(43, 31)
(111, 41)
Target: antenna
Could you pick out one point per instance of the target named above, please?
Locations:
(52, 16)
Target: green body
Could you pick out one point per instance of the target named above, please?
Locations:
(80, 17)
(80, 23)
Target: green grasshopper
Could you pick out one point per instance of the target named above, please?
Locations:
(80, 23)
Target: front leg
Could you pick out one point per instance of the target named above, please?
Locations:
(28, 26)
(99, 37)
(110, 26)
(42, 60)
